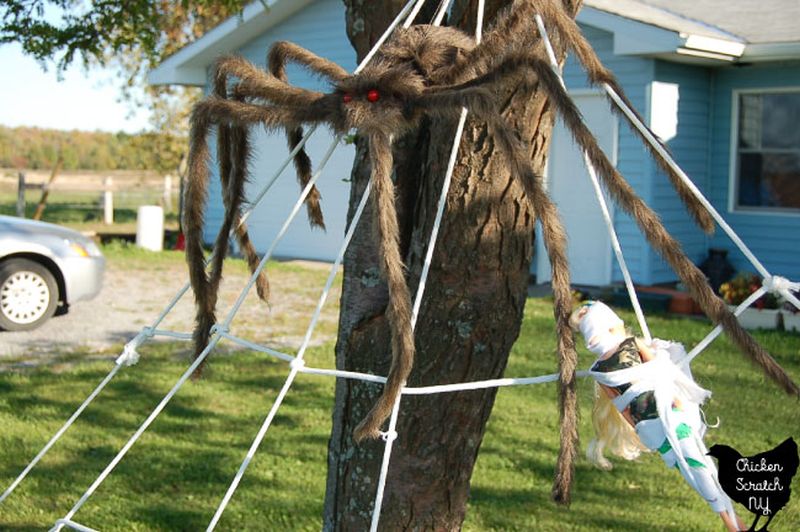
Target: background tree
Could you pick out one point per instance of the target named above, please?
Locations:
(128, 37)
(36, 149)
(471, 314)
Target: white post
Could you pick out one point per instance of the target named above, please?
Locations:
(108, 202)
(167, 198)
(150, 227)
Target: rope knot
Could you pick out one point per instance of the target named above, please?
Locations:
(389, 435)
(130, 355)
(778, 284)
(297, 363)
(219, 328)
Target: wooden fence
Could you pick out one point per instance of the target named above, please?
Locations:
(102, 202)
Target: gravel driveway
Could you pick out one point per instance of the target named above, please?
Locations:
(133, 297)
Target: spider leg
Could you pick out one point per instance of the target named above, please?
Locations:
(515, 29)
(233, 152)
(240, 155)
(234, 116)
(254, 83)
(398, 311)
(281, 53)
(599, 75)
(647, 220)
(479, 101)
(556, 243)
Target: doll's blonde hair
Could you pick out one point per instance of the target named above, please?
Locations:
(612, 431)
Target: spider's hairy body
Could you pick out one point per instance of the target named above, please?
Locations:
(413, 60)
(434, 72)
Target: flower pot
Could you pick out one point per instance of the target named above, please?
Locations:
(791, 320)
(681, 303)
(753, 318)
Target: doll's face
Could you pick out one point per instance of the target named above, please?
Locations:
(601, 327)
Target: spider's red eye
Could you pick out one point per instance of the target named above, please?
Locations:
(373, 95)
(347, 98)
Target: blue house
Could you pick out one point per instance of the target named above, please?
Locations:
(718, 80)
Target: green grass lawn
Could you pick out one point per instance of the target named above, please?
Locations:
(175, 476)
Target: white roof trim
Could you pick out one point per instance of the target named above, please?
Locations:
(771, 52)
(714, 45)
(632, 37)
(188, 65)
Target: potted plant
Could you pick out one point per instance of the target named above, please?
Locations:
(791, 315)
(763, 314)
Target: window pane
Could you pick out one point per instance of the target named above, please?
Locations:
(750, 121)
(769, 180)
(779, 120)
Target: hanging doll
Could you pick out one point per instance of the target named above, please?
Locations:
(644, 401)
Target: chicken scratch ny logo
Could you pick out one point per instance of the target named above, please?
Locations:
(762, 482)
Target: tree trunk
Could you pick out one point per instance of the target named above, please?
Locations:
(470, 315)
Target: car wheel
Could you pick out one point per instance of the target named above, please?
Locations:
(28, 295)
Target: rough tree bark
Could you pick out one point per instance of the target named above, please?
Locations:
(470, 316)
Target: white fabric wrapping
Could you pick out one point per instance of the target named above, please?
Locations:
(668, 382)
(596, 327)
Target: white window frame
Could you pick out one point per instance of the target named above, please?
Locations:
(733, 165)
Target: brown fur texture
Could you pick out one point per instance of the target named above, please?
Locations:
(515, 31)
(432, 71)
(279, 55)
(599, 74)
(556, 243)
(398, 311)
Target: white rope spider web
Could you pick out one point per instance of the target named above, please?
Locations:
(297, 364)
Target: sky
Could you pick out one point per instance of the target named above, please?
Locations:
(83, 100)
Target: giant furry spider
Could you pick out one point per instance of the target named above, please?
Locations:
(422, 71)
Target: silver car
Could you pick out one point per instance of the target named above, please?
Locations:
(44, 268)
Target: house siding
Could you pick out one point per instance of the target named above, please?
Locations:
(690, 148)
(701, 146)
(634, 74)
(321, 29)
(773, 238)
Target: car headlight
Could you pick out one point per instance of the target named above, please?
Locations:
(92, 248)
(83, 249)
(78, 249)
